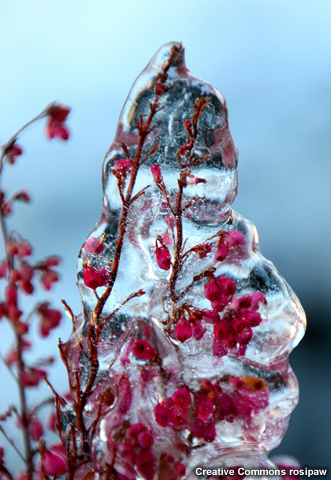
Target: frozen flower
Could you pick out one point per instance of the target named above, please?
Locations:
(93, 245)
(183, 330)
(95, 277)
(143, 350)
(220, 291)
(163, 257)
(54, 461)
(157, 174)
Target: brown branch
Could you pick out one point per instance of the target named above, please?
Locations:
(139, 194)
(144, 129)
(108, 317)
(191, 128)
(13, 139)
(196, 278)
(5, 472)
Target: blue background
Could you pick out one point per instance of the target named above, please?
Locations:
(270, 59)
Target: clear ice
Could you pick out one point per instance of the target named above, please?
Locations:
(195, 326)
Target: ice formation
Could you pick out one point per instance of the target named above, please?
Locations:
(180, 357)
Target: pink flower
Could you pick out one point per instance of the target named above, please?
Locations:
(145, 440)
(183, 330)
(204, 430)
(12, 152)
(24, 249)
(146, 464)
(22, 196)
(49, 277)
(94, 278)
(161, 412)
(163, 257)
(135, 430)
(143, 350)
(205, 407)
(49, 318)
(31, 377)
(52, 261)
(220, 291)
(198, 329)
(125, 395)
(157, 174)
(93, 245)
(35, 429)
(55, 126)
(26, 274)
(182, 397)
(54, 461)
(210, 316)
(227, 240)
(192, 180)
(122, 167)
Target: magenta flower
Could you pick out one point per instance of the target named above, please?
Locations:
(12, 152)
(143, 350)
(183, 330)
(49, 319)
(220, 291)
(163, 257)
(122, 166)
(35, 429)
(54, 461)
(95, 277)
(55, 126)
(157, 174)
(31, 377)
(227, 240)
(93, 245)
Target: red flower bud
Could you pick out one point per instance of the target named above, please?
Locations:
(163, 257)
(143, 350)
(14, 151)
(93, 245)
(94, 278)
(55, 126)
(156, 172)
(54, 461)
(183, 330)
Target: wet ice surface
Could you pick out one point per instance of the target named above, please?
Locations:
(197, 366)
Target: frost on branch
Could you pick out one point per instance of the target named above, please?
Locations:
(180, 357)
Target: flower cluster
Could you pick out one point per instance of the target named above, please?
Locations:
(193, 326)
(239, 398)
(95, 277)
(136, 449)
(233, 331)
(233, 317)
(230, 245)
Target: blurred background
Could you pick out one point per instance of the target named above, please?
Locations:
(272, 62)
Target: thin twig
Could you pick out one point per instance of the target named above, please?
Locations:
(9, 440)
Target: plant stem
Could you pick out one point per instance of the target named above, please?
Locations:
(13, 138)
(24, 409)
